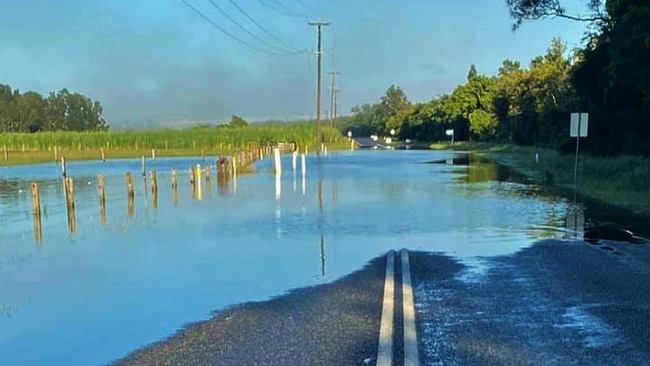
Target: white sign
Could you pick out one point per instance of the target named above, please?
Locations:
(579, 121)
(349, 133)
(449, 132)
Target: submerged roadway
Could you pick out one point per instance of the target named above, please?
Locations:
(554, 303)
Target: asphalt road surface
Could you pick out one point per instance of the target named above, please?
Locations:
(555, 303)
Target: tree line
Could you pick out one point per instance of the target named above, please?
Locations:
(609, 78)
(62, 110)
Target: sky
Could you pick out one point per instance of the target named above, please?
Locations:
(159, 63)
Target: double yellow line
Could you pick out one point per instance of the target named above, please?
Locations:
(385, 347)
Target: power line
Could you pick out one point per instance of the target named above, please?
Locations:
(260, 26)
(301, 3)
(234, 37)
(282, 9)
(253, 35)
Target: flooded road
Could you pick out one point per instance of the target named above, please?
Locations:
(94, 296)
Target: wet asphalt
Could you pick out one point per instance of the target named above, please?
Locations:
(555, 303)
(331, 324)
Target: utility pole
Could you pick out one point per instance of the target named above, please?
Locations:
(336, 106)
(319, 53)
(332, 93)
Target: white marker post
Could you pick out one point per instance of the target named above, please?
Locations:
(579, 124)
(278, 173)
(304, 172)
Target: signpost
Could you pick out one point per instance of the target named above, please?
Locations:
(450, 133)
(579, 124)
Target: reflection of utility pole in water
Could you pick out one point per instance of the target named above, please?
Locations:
(321, 216)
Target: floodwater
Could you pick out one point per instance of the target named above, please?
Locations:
(112, 287)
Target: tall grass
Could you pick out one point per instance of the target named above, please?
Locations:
(303, 134)
(620, 180)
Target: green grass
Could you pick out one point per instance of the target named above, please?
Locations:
(464, 146)
(619, 181)
(23, 148)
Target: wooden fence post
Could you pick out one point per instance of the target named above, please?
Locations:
(101, 183)
(174, 187)
(69, 189)
(130, 194)
(36, 210)
(154, 189)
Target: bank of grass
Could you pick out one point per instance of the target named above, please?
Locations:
(619, 181)
(466, 146)
(23, 148)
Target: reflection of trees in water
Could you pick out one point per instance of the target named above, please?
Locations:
(481, 170)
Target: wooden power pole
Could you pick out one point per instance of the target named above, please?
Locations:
(319, 53)
(332, 95)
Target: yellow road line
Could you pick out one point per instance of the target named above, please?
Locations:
(385, 347)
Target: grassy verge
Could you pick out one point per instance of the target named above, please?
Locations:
(618, 181)
(467, 146)
(36, 157)
(45, 156)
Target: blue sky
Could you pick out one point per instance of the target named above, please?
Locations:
(156, 62)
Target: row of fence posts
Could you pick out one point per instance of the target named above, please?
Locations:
(294, 163)
(225, 170)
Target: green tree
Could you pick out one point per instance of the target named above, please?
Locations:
(391, 104)
(611, 76)
(237, 121)
(31, 112)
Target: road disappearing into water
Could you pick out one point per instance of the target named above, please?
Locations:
(555, 303)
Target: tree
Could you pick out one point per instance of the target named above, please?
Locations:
(394, 101)
(611, 76)
(31, 112)
(237, 121)
(524, 10)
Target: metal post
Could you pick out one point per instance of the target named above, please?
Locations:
(575, 171)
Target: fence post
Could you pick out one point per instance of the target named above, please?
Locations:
(130, 195)
(36, 210)
(154, 189)
(69, 189)
(101, 183)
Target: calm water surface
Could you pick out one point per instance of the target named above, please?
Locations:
(94, 296)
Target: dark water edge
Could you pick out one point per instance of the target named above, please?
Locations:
(597, 212)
